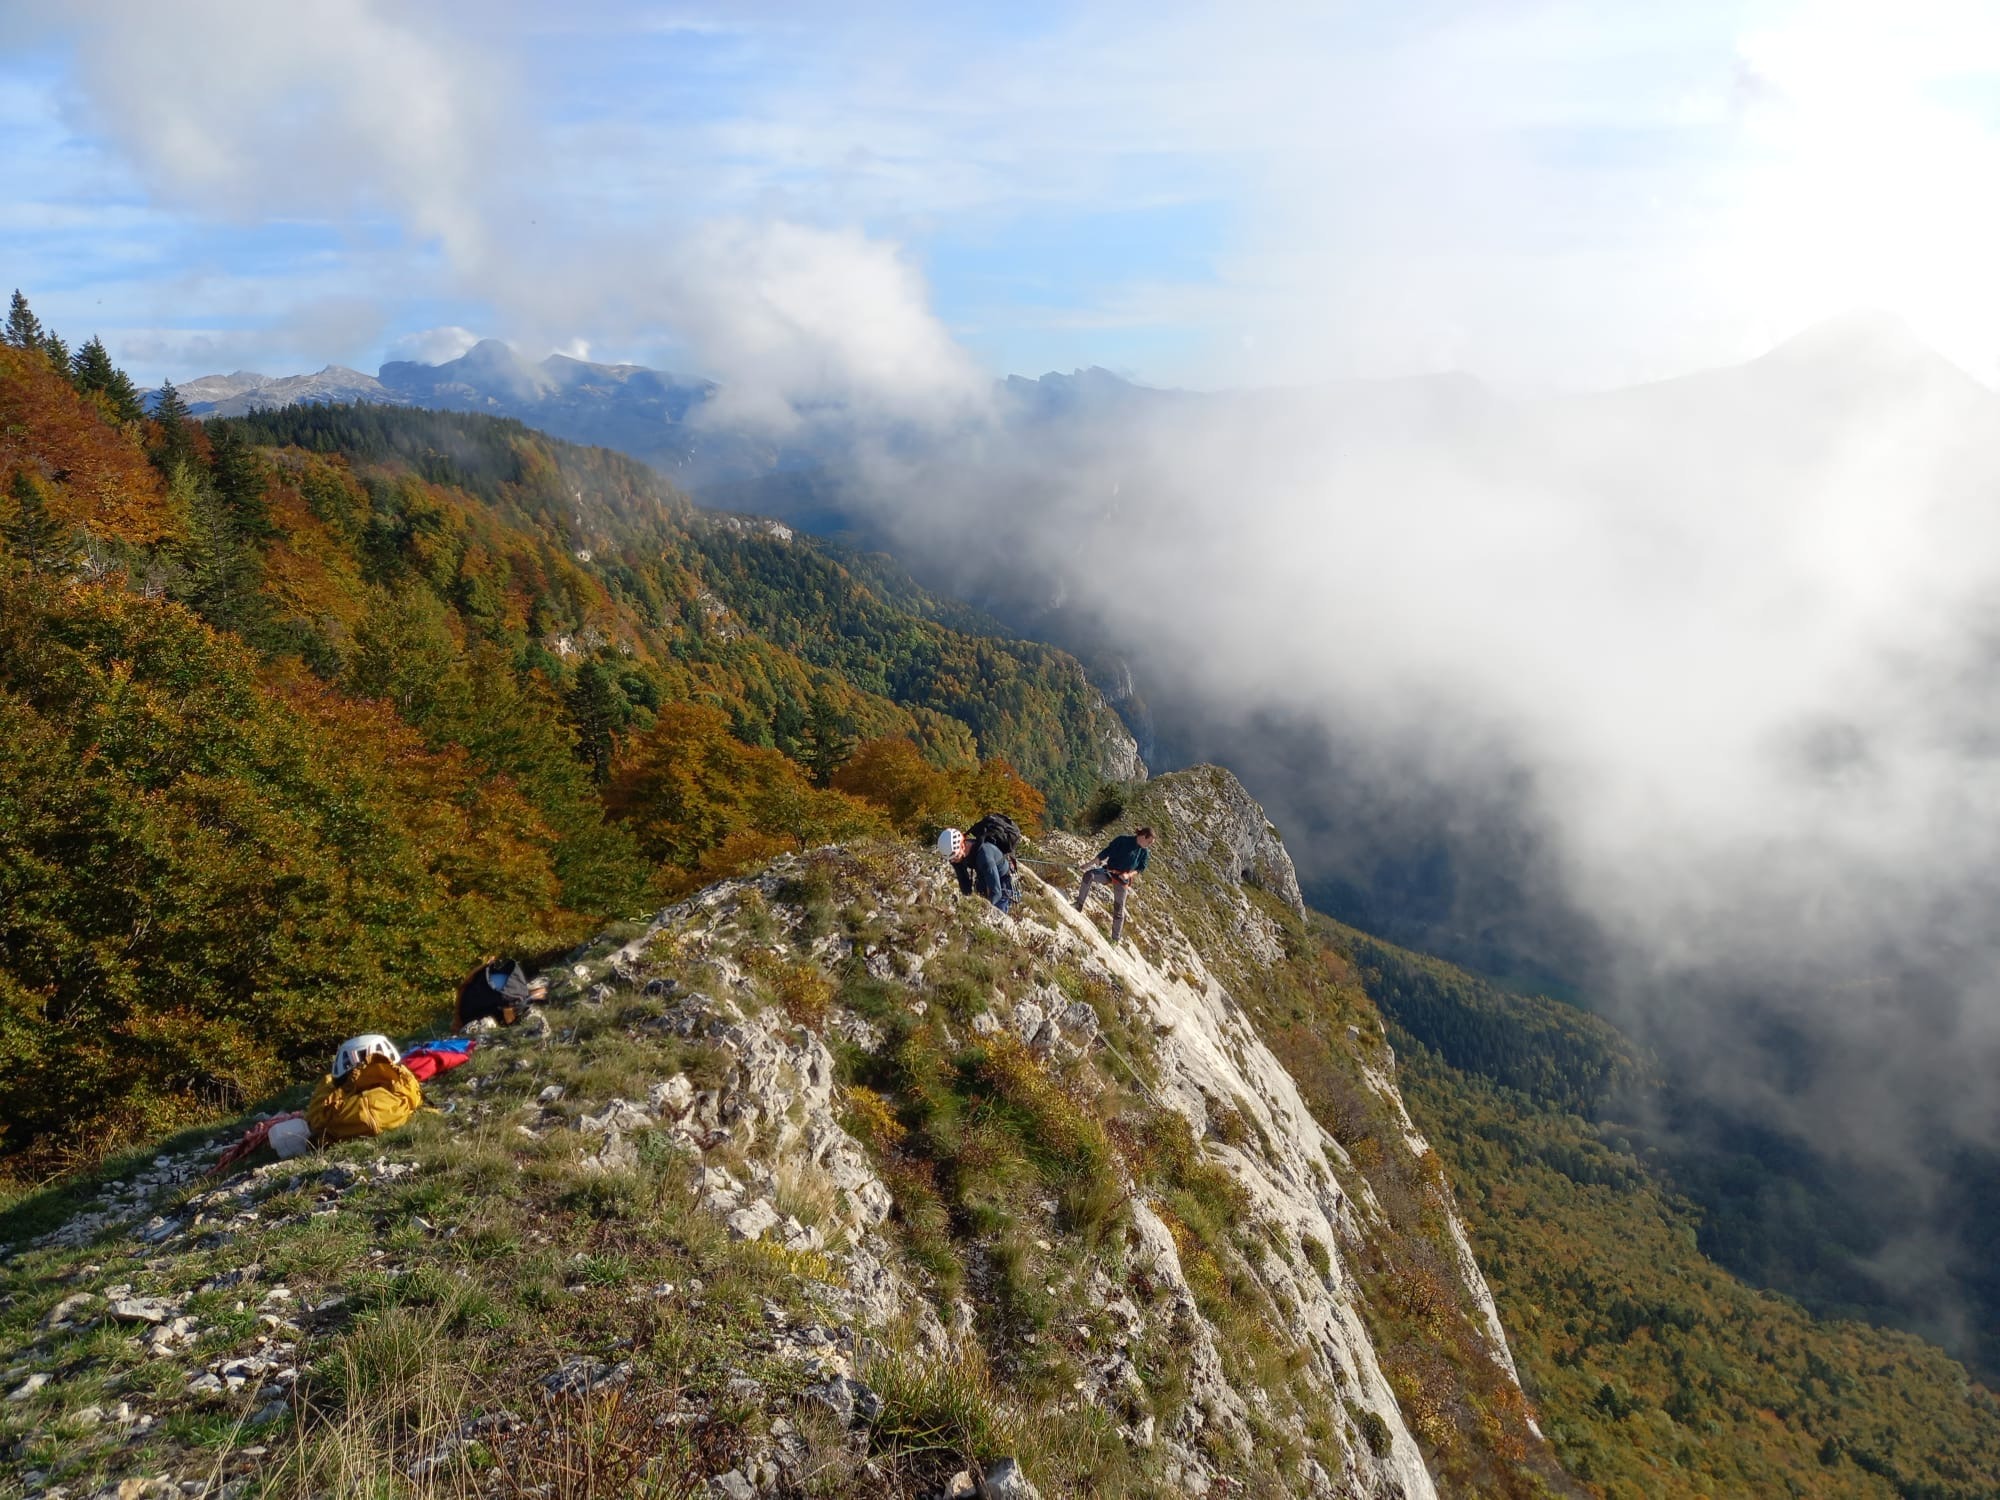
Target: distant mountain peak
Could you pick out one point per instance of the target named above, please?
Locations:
(1865, 334)
(1082, 391)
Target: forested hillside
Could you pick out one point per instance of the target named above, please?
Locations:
(717, 594)
(304, 714)
(1656, 1372)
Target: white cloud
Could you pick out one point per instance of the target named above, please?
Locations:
(788, 317)
(351, 107)
(1531, 190)
(433, 346)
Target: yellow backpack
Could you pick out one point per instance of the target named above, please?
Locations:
(377, 1096)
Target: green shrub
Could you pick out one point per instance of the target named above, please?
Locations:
(1106, 806)
(936, 1413)
(1316, 1254)
(1374, 1431)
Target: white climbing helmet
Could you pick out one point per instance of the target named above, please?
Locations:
(357, 1050)
(951, 843)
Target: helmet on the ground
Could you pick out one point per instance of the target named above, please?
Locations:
(951, 844)
(357, 1050)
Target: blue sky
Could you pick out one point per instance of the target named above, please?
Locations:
(815, 196)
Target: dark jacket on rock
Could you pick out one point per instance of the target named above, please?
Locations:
(500, 990)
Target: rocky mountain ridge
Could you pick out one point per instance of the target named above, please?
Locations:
(656, 416)
(847, 1186)
(653, 415)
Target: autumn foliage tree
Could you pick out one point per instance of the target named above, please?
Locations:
(689, 788)
(920, 797)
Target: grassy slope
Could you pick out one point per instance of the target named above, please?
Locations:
(411, 1304)
(414, 1303)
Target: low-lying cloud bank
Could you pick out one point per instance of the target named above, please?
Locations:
(1688, 689)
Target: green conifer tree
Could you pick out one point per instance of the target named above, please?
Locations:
(176, 444)
(788, 727)
(93, 373)
(168, 407)
(123, 398)
(24, 329)
(91, 369)
(828, 740)
(57, 351)
(224, 571)
(239, 480)
(597, 712)
(35, 536)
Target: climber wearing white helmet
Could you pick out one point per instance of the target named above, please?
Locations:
(980, 865)
(357, 1050)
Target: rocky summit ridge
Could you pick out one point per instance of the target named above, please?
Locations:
(825, 1181)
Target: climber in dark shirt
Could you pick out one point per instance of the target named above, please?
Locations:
(1118, 865)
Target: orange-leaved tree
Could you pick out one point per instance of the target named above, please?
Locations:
(702, 802)
(106, 481)
(921, 798)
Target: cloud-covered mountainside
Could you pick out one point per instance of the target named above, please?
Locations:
(1674, 698)
(1669, 698)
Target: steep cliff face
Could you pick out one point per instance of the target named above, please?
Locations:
(1118, 753)
(832, 1181)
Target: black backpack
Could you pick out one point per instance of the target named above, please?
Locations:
(996, 829)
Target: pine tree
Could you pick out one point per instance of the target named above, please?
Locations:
(91, 369)
(123, 398)
(176, 444)
(38, 538)
(24, 329)
(57, 351)
(225, 574)
(594, 709)
(828, 741)
(239, 480)
(93, 373)
(788, 727)
(169, 410)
